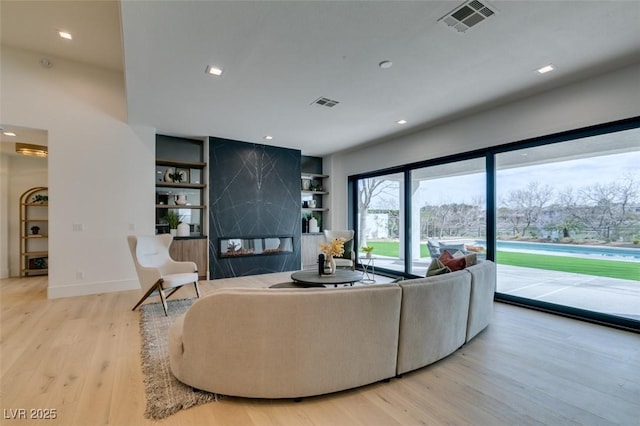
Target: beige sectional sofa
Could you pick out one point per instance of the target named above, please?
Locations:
(291, 343)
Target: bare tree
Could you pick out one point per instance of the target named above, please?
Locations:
(368, 190)
(443, 211)
(526, 205)
(602, 208)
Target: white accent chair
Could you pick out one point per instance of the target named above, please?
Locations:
(349, 258)
(157, 271)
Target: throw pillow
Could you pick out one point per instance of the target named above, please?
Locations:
(456, 264)
(445, 256)
(437, 268)
(472, 259)
(348, 248)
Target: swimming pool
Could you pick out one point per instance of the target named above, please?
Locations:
(601, 252)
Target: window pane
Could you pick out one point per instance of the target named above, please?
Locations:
(568, 223)
(449, 204)
(380, 223)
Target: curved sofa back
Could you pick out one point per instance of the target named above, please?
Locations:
(443, 312)
(433, 322)
(284, 343)
(483, 289)
(296, 342)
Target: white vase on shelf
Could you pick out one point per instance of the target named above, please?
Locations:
(183, 230)
(173, 231)
(313, 225)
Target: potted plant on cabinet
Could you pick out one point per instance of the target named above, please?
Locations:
(172, 219)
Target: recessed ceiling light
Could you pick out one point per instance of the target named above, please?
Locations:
(8, 133)
(268, 137)
(401, 121)
(385, 64)
(213, 70)
(65, 35)
(546, 69)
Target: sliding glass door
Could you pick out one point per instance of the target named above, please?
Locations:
(380, 219)
(560, 216)
(398, 213)
(448, 205)
(568, 223)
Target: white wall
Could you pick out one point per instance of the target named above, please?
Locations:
(606, 98)
(101, 170)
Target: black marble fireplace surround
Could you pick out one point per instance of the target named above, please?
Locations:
(254, 192)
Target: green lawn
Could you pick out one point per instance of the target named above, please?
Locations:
(579, 265)
(392, 248)
(598, 267)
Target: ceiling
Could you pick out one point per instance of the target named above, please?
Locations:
(278, 57)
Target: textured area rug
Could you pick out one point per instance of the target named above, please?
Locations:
(165, 394)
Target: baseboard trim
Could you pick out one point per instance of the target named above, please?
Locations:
(87, 289)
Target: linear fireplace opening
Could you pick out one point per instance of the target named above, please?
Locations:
(256, 246)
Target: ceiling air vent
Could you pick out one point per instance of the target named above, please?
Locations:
(468, 15)
(330, 103)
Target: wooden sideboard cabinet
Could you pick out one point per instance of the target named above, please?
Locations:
(192, 249)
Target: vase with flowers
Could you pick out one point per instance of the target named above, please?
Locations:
(331, 249)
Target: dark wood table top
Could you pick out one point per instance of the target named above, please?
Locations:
(341, 276)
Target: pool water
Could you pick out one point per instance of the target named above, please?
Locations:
(600, 252)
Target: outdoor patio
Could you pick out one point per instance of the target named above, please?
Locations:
(600, 294)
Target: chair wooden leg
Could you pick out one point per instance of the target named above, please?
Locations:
(195, 283)
(173, 290)
(147, 294)
(164, 300)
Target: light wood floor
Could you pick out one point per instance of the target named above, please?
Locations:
(80, 356)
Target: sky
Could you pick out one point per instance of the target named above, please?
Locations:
(560, 176)
(571, 174)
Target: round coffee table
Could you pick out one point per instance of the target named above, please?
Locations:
(341, 276)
